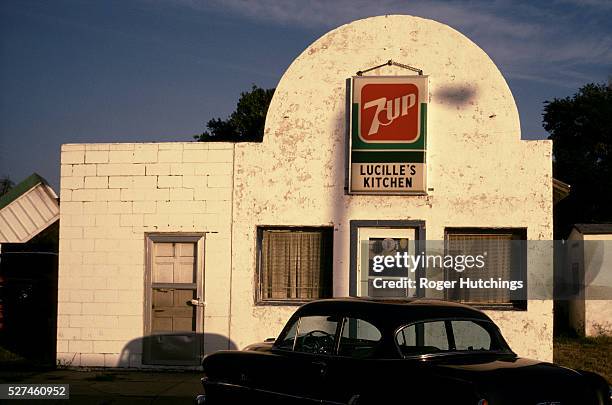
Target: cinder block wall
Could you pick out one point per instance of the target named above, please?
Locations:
(111, 195)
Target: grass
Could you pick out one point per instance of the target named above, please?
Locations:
(8, 356)
(585, 353)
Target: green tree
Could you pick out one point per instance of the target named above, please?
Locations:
(246, 124)
(581, 129)
(5, 185)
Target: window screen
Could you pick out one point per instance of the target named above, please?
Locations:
(505, 260)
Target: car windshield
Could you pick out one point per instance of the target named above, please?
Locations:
(448, 336)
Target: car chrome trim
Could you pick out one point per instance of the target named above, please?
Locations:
(280, 394)
(339, 332)
(456, 353)
(297, 333)
(354, 400)
(226, 384)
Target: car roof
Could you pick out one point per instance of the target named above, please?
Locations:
(391, 310)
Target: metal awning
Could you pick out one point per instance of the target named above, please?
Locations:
(27, 209)
(560, 190)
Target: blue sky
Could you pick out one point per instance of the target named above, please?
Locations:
(157, 70)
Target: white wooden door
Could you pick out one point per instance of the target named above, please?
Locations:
(383, 242)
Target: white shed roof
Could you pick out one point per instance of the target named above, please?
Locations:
(27, 209)
(594, 229)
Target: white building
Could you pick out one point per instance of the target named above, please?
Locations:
(252, 229)
(588, 273)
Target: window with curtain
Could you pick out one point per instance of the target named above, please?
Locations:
(295, 264)
(505, 260)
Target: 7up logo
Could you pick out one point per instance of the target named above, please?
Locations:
(389, 113)
(398, 107)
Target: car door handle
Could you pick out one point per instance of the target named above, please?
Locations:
(321, 365)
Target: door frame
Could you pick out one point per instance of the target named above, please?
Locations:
(417, 225)
(174, 237)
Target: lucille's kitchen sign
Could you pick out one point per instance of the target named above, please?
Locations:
(388, 135)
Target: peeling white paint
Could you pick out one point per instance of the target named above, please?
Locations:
(482, 174)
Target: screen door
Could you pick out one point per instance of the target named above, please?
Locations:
(175, 302)
(373, 242)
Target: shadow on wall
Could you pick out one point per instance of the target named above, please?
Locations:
(336, 187)
(172, 349)
(455, 95)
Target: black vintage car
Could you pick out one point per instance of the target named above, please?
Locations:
(359, 351)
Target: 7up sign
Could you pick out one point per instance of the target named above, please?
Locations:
(389, 113)
(388, 134)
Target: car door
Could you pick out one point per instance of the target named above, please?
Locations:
(296, 372)
(350, 370)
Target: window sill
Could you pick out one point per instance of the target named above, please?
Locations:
(288, 303)
(497, 307)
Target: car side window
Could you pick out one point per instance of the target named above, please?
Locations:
(429, 337)
(316, 334)
(423, 338)
(359, 338)
(470, 336)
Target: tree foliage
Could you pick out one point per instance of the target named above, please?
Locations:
(246, 123)
(5, 185)
(581, 129)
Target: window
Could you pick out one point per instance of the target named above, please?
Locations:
(375, 242)
(448, 336)
(359, 338)
(470, 336)
(505, 261)
(295, 264)
(423, 338)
